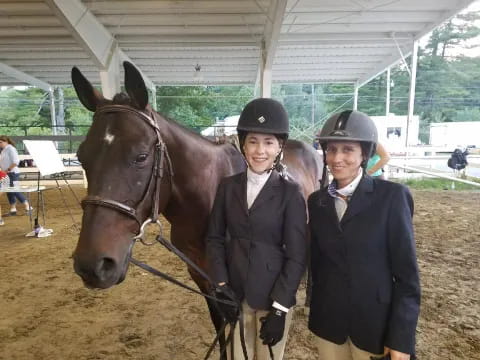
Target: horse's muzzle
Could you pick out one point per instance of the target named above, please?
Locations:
(100, 273)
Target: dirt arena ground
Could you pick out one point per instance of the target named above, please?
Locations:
(46, 313)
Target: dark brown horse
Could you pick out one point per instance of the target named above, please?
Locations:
(138, 163)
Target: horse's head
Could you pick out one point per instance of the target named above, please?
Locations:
(123, 156)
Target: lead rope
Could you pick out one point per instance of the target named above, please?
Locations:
(190, 263)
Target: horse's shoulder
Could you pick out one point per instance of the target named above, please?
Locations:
(230, 179)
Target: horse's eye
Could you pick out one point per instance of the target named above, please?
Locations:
(141, 158)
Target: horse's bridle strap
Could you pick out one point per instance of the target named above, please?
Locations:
(160, 155)
(95, 200)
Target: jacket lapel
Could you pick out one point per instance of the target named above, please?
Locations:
(331, 210)
(269, 190)
(240, 191)
(361, 199)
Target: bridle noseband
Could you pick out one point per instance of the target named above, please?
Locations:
(160, 157)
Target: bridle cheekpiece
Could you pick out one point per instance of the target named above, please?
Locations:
(160, 157)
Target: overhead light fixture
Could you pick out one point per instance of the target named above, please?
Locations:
(197, 75)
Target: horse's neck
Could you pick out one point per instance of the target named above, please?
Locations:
(198, 166)
(185, 147)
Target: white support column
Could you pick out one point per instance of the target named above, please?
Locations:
(265, 76)
(266, 84)
(411, 95)
(269, 46)
(110, 78)
(387, 100)
(355, 97)
(60, 112)
(52, 111)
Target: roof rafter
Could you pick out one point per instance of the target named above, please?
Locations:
(24, 77)
(90, 33)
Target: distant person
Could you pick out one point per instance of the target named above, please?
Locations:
(4, 181)
(377, 162)
(9, 161)
(316, 144)
(458, 161)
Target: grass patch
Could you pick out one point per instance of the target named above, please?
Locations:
(435, 184)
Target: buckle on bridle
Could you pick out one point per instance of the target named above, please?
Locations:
(141, 234)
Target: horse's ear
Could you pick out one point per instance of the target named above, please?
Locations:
(87, 94)
(135, 86)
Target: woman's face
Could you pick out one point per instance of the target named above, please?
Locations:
(344, 159)
(3, 144)
(260, 151)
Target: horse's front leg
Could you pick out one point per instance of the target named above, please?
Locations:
(189, 240)
(215, 315)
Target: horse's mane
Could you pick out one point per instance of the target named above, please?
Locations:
(124, 99)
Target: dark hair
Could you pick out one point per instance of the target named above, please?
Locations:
(242, 135)
(7, 140)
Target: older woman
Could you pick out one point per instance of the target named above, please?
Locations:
(366, 291)
(9, 163)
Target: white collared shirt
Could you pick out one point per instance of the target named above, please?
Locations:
(255, 183)
(347, 191)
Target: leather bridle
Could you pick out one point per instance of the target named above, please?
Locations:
(161, 157)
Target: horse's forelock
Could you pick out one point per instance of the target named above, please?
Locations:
(122, 99)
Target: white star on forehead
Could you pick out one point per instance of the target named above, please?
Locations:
(108, 137)
(261, 119)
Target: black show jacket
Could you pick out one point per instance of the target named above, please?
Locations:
(260, 252)
(364, 268)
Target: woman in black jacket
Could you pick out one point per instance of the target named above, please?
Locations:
(366, 291)
(256, 241)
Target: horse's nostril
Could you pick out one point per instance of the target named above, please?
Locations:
(105, 267)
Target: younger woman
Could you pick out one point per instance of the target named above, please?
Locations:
(256, 241)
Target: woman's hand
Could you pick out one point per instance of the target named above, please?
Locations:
(396, 355)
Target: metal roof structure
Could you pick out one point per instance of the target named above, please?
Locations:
(188, 42)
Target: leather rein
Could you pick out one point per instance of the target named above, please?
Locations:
(161, 157)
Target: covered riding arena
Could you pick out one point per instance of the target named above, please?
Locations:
(45, 310)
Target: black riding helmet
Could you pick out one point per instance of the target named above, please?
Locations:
(350, 125)
(264, 116)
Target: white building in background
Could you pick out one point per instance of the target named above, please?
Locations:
(392, 131)
(455, 134)
(227, 126)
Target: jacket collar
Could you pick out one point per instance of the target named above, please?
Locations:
(269, 190)
(360, 200)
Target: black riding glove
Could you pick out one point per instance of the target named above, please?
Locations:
(229, 312)
(273, 326)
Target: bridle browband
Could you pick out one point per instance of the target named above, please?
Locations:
(160, 157)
